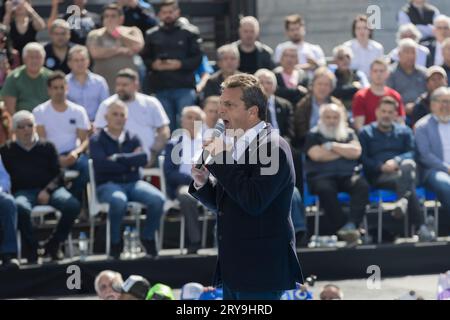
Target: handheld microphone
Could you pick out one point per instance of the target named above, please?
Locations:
(218, 130)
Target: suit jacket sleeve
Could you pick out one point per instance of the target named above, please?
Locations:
(425, 154)
(206, 195)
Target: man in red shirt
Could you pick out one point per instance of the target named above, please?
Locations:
(365, 101)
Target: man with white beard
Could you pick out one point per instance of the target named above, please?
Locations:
(333, 151)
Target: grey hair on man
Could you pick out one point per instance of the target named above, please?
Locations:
(338, 133)
(21, 116)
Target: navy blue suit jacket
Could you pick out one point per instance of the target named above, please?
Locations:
(254, 227)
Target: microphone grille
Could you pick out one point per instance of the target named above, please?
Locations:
(219, 128)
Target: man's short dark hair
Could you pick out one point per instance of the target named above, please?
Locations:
(55, 75)
(293, 19)
(128, 73)
(362, 18)
(112, 6)
(252, 92)
(167, 3)
(388, 100)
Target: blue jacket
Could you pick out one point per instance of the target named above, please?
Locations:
(430, 155)
(174, 178)
(378, 147)
(126, 167)
(254, 227)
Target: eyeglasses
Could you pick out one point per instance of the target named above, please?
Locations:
(447, 102)
(23, 126)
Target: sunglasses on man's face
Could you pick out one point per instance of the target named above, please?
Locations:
(23, 126)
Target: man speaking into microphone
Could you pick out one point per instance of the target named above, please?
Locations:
(257, 257)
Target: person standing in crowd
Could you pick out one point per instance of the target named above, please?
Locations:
(104, 282)
(85, 88)
(228, 63)
(421, 14)
(365, 50)
(388, 151)
(26, 86)
(433, 147)
(117, 157)
(23, 21)
(333, 150)
(441, 30)
(85, 21)
(66, 125)
(8, 225)
(146, 116)
(410, 31)
(181, 153)
(366, 100)
(349, 80)
(138, 13)
(436, 78)
(36, 179)
(57, 50)
(292, 81)
(253, 204)
(253, 55)
(9, 57)
(405, 77)
(310, 56)
(112, 47)
(172, 54)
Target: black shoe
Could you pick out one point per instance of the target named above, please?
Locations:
(150, 247)
(32, 256)
(53, 250)
(193, 248)
(116, 250)
(10, 262)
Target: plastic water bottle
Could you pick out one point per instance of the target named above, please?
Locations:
(133, 244)
(126, 243)
(83, 245)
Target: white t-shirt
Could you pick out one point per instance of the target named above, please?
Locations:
(61, 127)
(145, 115)
(363, 57)
(305, 50)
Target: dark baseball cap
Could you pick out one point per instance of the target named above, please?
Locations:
(136, 286)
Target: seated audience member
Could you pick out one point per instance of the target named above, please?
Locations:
(331, 292)
(146, 116)
(292, 81)
(436, 77)
(181, 153)
(112, 47)
(365, 50)
(441, 31)
(117, 157)
(66, 125)
(333, 150)
(87, 20)
(366, 100)
(310, 56)
(253, 55)
(280, 111)
(9, 57)
(433, 147)
(26, 86)
(104, 282)
(211, 110)
(349, 81)
(8, 217)
(57, 50)
(306, 112)
(228, 63)
(388, 150)
(23, 21)
(85, 88)
(410, 31)
(134, 288)
(36, 179)
(5, 124)
(405, 77)
(446, 56)
(421, 14)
